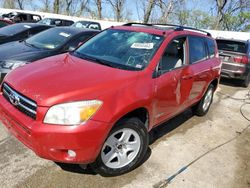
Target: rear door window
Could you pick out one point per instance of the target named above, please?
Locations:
(233, 46)
(197, 49)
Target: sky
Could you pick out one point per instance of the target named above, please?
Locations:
(133, 11)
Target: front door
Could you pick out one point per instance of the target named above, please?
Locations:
(173, 85)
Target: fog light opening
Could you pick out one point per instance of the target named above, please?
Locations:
(71, 153)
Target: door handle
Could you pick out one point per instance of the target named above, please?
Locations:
(186, 77)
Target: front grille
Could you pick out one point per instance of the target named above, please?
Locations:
(22, 103)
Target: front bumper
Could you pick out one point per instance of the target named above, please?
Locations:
(53, 141)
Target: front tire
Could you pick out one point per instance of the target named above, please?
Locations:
(124, 148)
(203, 106)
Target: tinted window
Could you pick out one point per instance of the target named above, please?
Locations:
(174, 56)
(94, 26)
(123, 49)
(197, 50)
(36, 18)
(232, 46)
(68, 23)
(85, 24)
(211, 47)
(14, 29)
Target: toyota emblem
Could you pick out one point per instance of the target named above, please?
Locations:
(14, 99)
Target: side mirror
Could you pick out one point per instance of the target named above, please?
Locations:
(70, 49)
(157, 72)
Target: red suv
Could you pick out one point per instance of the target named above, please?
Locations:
(97, 104)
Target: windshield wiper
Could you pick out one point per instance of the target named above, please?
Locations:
(99, 61)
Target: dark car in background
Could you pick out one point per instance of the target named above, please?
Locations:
(19, 17)
(4, 22)
(87, 24)
(235, 57)
(60, 40)
(20, 31)
(56, 22)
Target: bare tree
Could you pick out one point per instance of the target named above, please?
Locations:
(20, 4)
(150, 6)
(9, 4)
(169, 7)
(227, 10)
(68, 5)
(118, 7)
(220, 4)
(98, 4)
(56, 6)
(45, 5)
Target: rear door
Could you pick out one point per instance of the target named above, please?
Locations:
(201, 66)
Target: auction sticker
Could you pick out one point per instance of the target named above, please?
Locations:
(146, 46)
(64, 34)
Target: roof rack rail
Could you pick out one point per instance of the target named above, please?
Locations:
(176, 27)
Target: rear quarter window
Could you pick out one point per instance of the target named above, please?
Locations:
(197, 49)
(211, 47)
(233, 46)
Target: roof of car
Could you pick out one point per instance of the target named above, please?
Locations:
(235, 40)
(161, 29)
(32, 25)
(59, 19)
(88, 21)
(75, 30)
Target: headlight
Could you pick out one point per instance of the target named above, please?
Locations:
(73, 113)
(12, 64)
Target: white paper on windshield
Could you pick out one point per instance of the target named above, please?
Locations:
(146, 46)
(64, 34)
(27, 26)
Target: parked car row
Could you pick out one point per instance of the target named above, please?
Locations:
(97, 96)
(21, 17)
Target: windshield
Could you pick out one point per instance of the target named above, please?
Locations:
(50, 39)
(232, 46)
(14, 29)
(121, 49)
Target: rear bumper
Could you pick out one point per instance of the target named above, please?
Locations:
(234, 70)
(53, 141)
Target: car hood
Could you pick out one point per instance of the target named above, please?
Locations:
(65, 78)
(19, 51)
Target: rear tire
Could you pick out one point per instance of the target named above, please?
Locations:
(203, 106)
(246, 82)
(124, 148)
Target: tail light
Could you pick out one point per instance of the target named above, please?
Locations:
(241, 59)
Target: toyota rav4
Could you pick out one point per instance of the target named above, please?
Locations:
(97, 104)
